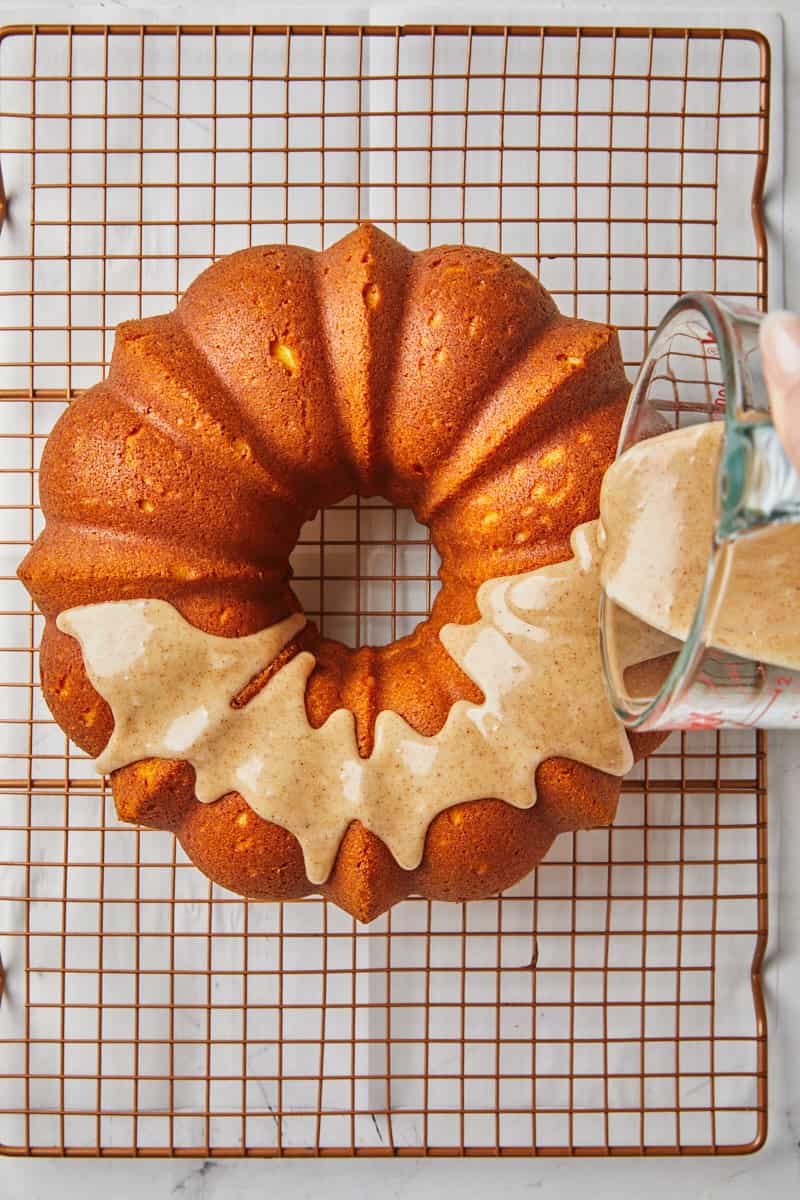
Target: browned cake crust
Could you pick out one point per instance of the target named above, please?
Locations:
(285, 381)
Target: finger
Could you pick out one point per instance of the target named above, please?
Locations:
(780, 347)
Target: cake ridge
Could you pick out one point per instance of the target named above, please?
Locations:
(111, 465)
(264, 344)
(155, 334)
(270, 461)
(383, 463)
(378, 411)
(109, 533)
(530, 424)
(441, 345)
(481, 465)
(147, 413)
(364, 291)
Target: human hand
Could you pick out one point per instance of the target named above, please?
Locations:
(780, 348)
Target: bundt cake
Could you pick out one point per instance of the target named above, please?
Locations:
(446, 381)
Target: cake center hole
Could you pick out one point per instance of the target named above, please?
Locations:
(365, 571)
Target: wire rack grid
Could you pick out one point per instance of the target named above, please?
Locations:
(609, 1004)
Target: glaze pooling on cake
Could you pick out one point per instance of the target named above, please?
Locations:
(286, 380)
(534, 654)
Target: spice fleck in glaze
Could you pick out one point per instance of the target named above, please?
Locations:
(286, 380)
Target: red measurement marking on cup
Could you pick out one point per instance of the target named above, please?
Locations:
(710, 351)
(698, 720)
(744, 694)
(704, 336)
(782, 684)
(758, 715)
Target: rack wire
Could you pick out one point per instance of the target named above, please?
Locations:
(609, 1004)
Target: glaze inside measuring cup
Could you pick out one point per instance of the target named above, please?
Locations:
(700, 617)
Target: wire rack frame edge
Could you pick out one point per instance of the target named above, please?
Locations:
(428, 1033)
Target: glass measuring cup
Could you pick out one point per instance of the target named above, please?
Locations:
(704, 365)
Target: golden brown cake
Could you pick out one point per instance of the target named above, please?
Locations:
(286, 380)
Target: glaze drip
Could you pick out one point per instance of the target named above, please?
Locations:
(534, 653)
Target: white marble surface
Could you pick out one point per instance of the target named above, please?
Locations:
(775, 1169)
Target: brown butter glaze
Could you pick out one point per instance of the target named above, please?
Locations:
(533, 653)
(657, 515)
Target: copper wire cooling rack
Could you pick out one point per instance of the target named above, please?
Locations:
(611, 1003)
